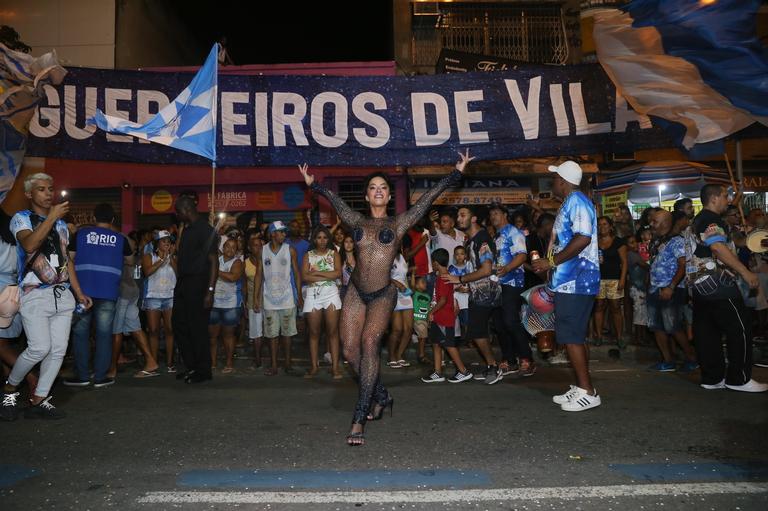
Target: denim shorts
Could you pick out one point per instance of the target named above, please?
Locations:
(572, 313)
(666, 315)
(157, 304)
(224, 317)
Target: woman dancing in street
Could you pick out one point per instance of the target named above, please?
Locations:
(370, 297)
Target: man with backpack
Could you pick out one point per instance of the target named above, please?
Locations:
(718, 308)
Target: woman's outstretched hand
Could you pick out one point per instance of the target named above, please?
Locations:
(304, 172)
(464, 159)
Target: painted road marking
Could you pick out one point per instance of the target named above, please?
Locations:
(358, 479)
(660, 472)
(12, 474)
(446, 496)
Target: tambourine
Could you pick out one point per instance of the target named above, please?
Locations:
(757, 241)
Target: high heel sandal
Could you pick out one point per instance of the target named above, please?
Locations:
(357, 438)
(390, 403)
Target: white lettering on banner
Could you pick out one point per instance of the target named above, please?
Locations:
(583, 126)
(419, 101)
(94, 238)
(70, 112)
(260, 102)
(332, 119)
(51, 114)
(229, 119)
(341, 119)
(143, 113)
(281, 119)
(111, 97)
(377, 122)
(465, 118)
(558, 109)
(624, 115)
(528, 114)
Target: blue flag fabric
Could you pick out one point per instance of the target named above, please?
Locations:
(187, 123)
(692, 63)
(719, 38)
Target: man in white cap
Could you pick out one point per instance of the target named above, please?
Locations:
(575, 280)
(281, 293)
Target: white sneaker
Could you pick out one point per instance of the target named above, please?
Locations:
(564, 398)
(559, 359)
(716, 386)
(583, 401)
(433, 378)
(750, 386)
(327, 358)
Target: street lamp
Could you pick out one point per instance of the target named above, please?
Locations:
(661, 189)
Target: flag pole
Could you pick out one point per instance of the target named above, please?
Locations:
(213, 191)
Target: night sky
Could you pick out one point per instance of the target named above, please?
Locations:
(293, 32)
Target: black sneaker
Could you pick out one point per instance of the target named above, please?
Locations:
(44, 410)
(106, 382)
(10, 407)
(76, 382)
(494, 375)
(460, 377)
(482, 375)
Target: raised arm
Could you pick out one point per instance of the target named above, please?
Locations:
(347, 215)
(409, 218)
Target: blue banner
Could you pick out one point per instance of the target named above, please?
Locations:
(354, 121)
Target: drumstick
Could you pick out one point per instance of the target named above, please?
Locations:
(735, 189)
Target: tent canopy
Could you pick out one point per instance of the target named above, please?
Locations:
(642, 180)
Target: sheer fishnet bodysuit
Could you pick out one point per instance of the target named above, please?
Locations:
(370, 297)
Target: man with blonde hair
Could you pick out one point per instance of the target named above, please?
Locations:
(47, 283)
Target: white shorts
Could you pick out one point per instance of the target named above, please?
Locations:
(321, 297)
(255, 324)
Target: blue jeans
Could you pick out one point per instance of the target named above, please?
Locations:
(104, 312)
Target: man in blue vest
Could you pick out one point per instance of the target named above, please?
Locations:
(98, 254)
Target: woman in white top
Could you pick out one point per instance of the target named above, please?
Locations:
(159, 267)
(320, 269)
(227, 304)
(401, 324)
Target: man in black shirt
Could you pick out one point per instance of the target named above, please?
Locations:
(538, 241)
(484, 293)
(198, 266)
(719, 309)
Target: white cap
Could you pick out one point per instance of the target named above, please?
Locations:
(569, 170)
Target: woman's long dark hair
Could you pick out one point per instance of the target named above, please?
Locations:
(5, 228)
(343, 252)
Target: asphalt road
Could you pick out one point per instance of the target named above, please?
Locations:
(248, 441)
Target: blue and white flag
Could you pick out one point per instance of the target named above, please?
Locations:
(695, 63)
(187, 123)
(22, 78)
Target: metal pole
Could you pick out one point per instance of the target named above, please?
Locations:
(739, 163)
(213, 191)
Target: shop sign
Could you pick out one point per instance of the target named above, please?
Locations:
(612, 202)
(476, 191)
(756, 183)
(228, 198)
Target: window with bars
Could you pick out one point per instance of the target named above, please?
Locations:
(354, 195)
(528, 33)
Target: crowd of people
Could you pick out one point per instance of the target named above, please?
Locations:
(445, 280)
